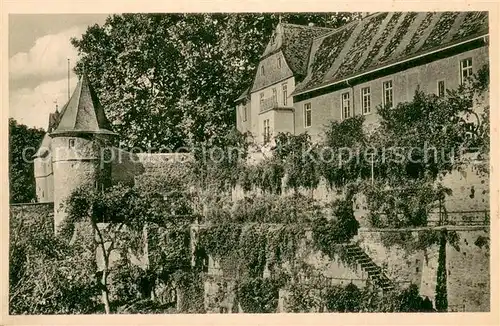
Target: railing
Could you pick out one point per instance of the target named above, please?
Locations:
(268, 103)
(460, 218)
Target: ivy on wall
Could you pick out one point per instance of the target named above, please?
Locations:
(441, 291)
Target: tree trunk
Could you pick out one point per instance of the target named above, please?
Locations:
(105, 296)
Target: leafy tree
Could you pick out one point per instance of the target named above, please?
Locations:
(23, 143)
(47, 274)
(119, 216)
(171, 79)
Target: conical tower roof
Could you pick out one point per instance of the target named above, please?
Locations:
(83, 113)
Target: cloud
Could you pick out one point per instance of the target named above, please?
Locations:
(47, 58)
(32, 106)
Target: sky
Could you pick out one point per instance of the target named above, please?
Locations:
(39, 49)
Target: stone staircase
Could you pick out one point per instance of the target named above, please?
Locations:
(375, 273)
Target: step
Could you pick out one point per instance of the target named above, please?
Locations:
(372, 267)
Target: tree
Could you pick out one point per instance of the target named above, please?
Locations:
(23, 143)
(119, 216)
(47, 274)
(170, 79)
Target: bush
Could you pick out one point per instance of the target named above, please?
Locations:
(258, 295)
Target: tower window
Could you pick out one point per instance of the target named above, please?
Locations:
(71, 143)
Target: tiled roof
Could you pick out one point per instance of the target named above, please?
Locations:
(297, 40)
(384, 38)
(83, 112)
(53, 121)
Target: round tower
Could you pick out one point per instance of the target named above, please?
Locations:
(77, 142)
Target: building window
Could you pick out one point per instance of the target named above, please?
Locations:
(366, 100)
(388, 96)
(307, 115)
(441, 88)
(465, 69)
(275, 96)
(279, 62)
(285, 94)
(71, 143)
(346, 106)
(244, 113)
(262, 70)
(267, 131)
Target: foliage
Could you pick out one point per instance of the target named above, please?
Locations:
(298, 155)
(267, 175)
(169, 250)
(258, 295)
(327, 234)
(181, 71)
(351, 298)
(190, 285)
(303, 298)
(128, 212)
(276, 209)
(441, 291)
(407, 206)
(130, 282)
(341, 141)
(48, 275)
(23, 144)
(434, 129)
(345, 300)
(217, 165)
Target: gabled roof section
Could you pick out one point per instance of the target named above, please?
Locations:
(243, 95)
(83, 112)
(383, 39)
(295, 42)
(45, 147)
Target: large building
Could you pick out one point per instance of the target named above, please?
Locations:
(308, 75)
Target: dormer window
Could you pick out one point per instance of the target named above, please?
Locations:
(262, 70)
(71, 143)
(279, 62)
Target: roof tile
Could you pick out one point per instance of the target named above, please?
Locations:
(338, 57)
(83, 112)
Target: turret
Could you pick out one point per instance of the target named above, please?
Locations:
(77, 144)
(44, 178)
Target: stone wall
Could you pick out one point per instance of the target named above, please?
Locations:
(468, 272)
(399, 265)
